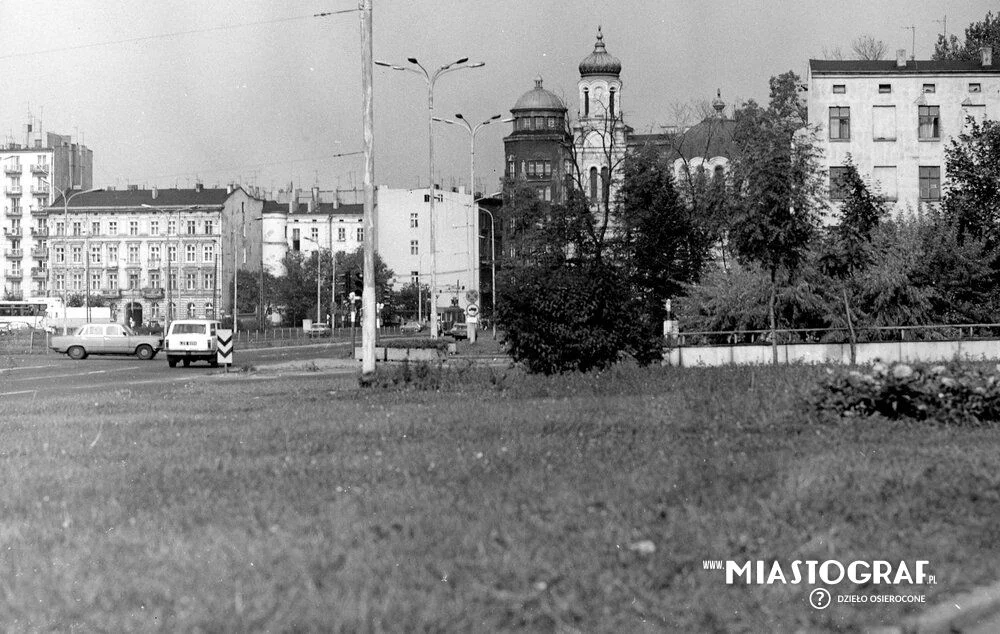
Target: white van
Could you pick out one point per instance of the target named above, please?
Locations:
(190, 340)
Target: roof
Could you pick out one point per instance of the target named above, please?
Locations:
(539, 99)
(138, 197)
(327, 209)
(600, 62)
(710, 138)
(888, 67)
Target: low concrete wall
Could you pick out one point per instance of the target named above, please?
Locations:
(887, 351)
(383, 353)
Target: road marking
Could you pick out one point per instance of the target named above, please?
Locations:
(30, 367)
(64, 376)
(15, 393)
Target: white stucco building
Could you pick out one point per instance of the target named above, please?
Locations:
(895, 118)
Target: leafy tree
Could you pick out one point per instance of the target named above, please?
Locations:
(407, 299)
(777, 188)
(977, 35)
(847, 249)
(972, 192)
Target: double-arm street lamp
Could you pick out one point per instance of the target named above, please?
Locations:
(86, 255)
(473, 224)
(431, 78)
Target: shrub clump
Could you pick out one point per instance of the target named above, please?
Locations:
(952, 393)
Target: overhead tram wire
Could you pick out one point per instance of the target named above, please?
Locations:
(175, 34)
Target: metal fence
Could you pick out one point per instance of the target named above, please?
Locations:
(866, 334)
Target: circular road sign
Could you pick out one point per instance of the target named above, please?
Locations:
(471, 310)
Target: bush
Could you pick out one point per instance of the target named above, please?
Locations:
(954, 393)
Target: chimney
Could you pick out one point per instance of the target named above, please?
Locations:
(154, 192)
(336, 199)
(986, 54)
(229, 188)
(198, 186)
(900, 58)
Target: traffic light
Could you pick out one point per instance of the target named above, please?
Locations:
(357, 282)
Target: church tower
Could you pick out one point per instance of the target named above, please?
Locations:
(599, 132)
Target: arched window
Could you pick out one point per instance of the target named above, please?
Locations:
(593, 183)
(154, 310)
(605, 183)
(190, 310)
(586, 102)
(719, 173)
(611, 103)
(209, 310)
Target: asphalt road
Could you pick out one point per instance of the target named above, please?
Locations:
(56, 373)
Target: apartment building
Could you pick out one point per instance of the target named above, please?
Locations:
(36, 168)
(895, 119)
(145, 252)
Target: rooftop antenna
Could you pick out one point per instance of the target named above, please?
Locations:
(913, 43)
(944, 24)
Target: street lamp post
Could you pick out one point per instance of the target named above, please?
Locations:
(177, 230)
(430, 79)
(473, 225)
(319, 277)
(493, 270)
(86, 285)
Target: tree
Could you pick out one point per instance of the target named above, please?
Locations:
(977, 35)
(972, 192)
(777, 187)
(867, 47)
(847, 249)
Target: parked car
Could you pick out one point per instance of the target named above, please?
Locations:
(190, 340)
(318, 330)
(106, 339)
(459, 331)
(411, 327)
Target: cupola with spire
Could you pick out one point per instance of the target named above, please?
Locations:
(600, 62)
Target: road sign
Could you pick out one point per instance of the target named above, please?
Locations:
(471, 310)
(224, 346)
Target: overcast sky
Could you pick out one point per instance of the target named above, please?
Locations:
(260, 92)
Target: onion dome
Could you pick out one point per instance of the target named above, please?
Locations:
(539, 99)
(600, 62)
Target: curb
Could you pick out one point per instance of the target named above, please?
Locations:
(962, 613)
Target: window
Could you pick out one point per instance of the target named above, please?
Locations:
(60, 229)
(76, 254)
(208, 281)
(884, 178)
(172, 281)
(95, 228)
(133, 254)
(95, 253)
(154, 279)
(208, 252)
(314, 234)
(171, 227)
(192, 227)
(884, 123)
(837, 189)
(154, 309)
(77, 281)
(113, 254)
(60, 281)
(839, 89)
(341, 234)
(552, 122)
(929, 122)
(113, 227)
(154, 227)
(191, 281)
(528, 123)
(172, 253)
(209, 227)
(95, 281)
(113, 281)
(611, 103)
(539, 123)
(975, 87)
(930, 88)
(77, 228)
(593, 183)
(414, 221)
(209, 309)
(60, 254)
(930, 183)
(414, 277)
(361, 234)
(414, 247)
(133, 227)
(586, 102)
(190, 252)
(510, 168)
(840, 124)
(885, 89)
(154, 255)
(133, 279)
(547, 194)
(190, 310)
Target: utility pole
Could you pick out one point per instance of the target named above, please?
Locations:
(368, 296)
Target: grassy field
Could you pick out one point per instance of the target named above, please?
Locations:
(495, 502)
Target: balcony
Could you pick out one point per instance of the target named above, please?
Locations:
(14, 272)
(152, 293)
(40, 273)
(14, 168)
(39, 190)
(111, 293)
(40, 252)
(15, 212)
(39, 211)
(12, 232)
(40, 169)
(40, 232)
(14, 190)
(15, 254)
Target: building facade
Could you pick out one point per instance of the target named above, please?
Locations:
(34, 172)
(895, 118)
(538, 147)
(151, 255)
